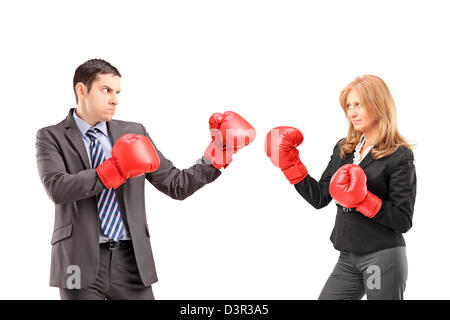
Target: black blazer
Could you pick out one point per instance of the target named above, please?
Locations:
(392, 178)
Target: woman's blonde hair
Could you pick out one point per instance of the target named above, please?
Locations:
(377, 99)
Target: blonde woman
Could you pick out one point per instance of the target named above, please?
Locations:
(371, 177)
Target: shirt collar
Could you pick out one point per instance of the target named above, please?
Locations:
(357, 156)
(84, 126)
(360, 143)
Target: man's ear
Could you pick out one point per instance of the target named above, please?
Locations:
(81, 90)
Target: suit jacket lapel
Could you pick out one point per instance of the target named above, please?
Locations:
(348, 159)
(114, 131)
(368, 159)
(74, 136)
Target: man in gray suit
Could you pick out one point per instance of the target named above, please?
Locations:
(87, 262)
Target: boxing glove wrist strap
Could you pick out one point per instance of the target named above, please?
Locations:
(370, 206)
(109, 174)
(296, 173)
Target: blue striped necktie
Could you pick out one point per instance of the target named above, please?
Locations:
(107, 204)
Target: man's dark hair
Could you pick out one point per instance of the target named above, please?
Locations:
(87, 72)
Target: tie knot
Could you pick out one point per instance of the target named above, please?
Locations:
(91, 134)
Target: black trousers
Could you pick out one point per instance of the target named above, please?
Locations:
(381, 275)
(117, 278)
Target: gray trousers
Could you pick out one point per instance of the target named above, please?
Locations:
(381, 275)
(117, 279)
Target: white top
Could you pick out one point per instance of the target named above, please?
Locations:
(357, 157)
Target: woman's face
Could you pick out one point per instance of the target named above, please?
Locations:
(362, 120)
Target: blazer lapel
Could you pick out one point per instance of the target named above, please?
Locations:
(368, 159)
(114, 131)
(348, 159)
(74, 136)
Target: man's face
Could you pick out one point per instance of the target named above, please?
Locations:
(101, 101)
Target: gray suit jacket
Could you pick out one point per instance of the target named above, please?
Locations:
(69, 181)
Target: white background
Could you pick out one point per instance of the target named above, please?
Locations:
(249, 234)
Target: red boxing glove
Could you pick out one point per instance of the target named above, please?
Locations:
(281, 147)
(230, 133)
(132, 155)
(348, 187)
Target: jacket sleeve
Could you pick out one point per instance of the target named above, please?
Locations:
(316, 193)
(180, 183)
(397, 211)
(61, 186)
